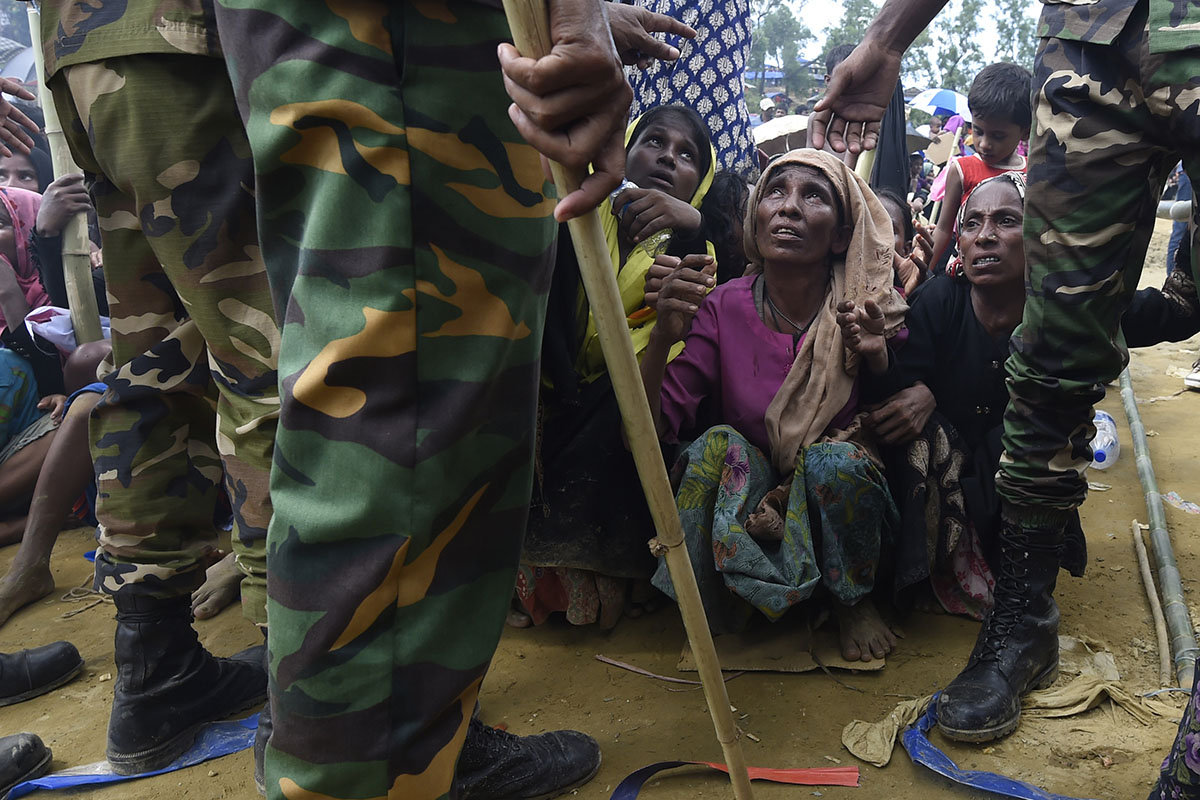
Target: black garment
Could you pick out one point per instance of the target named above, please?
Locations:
(46, 254)
(950, 351)
(1170, 314)
(891, 153)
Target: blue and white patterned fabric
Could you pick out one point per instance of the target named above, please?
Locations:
(707, 76)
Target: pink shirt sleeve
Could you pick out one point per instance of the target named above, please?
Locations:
(693, 375)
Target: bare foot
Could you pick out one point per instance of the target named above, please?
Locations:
(222, 586)
(863, 633)
(19, 589)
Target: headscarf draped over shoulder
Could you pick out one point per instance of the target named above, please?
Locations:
(22, 206)
(822, 377)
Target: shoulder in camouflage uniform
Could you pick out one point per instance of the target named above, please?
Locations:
(75, 32)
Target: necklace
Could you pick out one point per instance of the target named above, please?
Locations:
(776, 314)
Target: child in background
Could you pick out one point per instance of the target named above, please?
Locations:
(1001, 115)
(911, 240)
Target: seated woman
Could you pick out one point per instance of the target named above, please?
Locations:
(942, 432)
(589, 524)
(766, 384)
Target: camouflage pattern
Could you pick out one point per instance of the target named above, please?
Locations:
(1172, 26)
(409, 229)
(1110, 122)
(75, 32)
(192, 385)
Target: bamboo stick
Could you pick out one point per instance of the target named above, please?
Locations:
(1160, 624)
(1179, 623)
(76, 246)
(529, 22)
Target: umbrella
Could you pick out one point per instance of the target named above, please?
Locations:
(942, 101)
(914, 139)
(781, 134)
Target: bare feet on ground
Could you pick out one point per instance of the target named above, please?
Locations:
(222, 585)
(863, 633)
(19, 589)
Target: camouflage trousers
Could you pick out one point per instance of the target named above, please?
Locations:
(1110, 122)
(408, 229)
(192, 397)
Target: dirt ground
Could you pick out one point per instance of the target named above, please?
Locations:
(547, 678)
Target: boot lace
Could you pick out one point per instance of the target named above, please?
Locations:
(1011, 599)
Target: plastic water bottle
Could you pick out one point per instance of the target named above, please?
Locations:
(1106, 447)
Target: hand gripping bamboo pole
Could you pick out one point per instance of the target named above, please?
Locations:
(529, 21)
(76, 246)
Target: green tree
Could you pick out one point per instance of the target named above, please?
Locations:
(956, 43)
(777, 38)
(917, 68)
(856, 16)
(1016, 32)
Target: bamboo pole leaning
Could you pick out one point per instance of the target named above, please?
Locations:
(1179, 623)
(76, 246)
(529, 21)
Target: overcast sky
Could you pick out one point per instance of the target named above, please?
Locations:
(820, 15)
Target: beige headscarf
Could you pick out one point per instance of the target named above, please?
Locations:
(822, 376)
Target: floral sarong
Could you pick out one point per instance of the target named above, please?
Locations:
(839, 509)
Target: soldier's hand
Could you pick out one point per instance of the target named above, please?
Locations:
(14, 127)
(572, 103)
(632, 27)
(859, 92)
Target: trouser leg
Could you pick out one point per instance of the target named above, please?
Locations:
(407, 229)
(192, 398)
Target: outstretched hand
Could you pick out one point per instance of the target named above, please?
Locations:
(862, 332)
(632, 31)
(860, 89)
(14, 125)
(572, 103)
(675, 288)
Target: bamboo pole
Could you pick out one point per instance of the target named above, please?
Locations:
(1179, 623)
(529, 22)
(1160, 624)
(76, 246)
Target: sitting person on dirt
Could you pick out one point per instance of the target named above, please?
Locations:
(767, 387)
(941, 432)
(585, 545)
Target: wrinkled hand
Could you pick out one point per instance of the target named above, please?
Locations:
(677, 294)
(632, 27)
(644, 212)
(903, 416)
(55, 404)
(63, 199)
(14, 125)
(572, 103)
(862, 332)
(913, 267)
(859, 92)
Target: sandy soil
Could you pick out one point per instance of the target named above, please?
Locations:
(547, 678)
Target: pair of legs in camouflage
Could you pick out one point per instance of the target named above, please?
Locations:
(192, 394)
(407, 231)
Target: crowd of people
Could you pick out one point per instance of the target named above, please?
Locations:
(347, 323)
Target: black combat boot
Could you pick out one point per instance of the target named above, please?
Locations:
(168, 686)
(23, 757)
(1017, 648)
(497, 765)
(28, 673)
